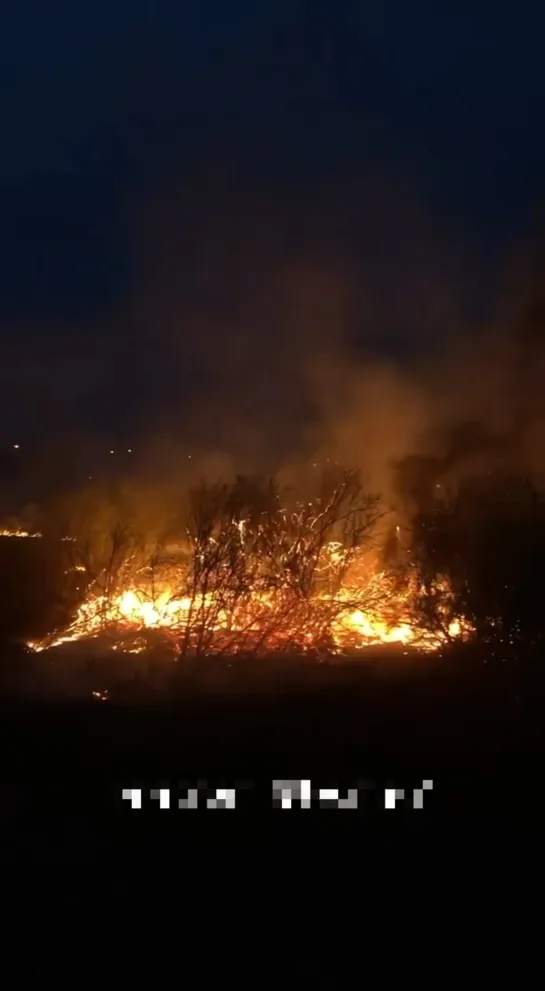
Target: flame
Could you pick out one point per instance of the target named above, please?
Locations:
(18, 533)
(365, 610)
(270, 582)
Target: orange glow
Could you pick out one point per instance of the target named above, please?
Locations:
(363, 610)
(18, 533)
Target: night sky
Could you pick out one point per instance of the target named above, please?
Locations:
(117, 117)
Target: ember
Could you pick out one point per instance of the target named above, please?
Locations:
(18, 533)
(247, 581)
(263, 619)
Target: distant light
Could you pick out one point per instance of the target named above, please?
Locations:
(189, 455)
(129, 450)
(112, 452)
(16, 446)
(90, 478)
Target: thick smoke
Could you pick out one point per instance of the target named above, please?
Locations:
(287, 326)
(269, 331)
(334, 323)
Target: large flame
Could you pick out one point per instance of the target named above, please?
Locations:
(364, 610)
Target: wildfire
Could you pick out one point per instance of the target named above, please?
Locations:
(258, 579)
(18, 533)
(335, 622)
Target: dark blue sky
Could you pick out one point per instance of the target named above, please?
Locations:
(102, 105)
(453, 89)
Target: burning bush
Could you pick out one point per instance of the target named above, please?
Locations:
(246, 569)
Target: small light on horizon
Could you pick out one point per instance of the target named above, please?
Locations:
(112, 452)
(16, 446)
(129, 450)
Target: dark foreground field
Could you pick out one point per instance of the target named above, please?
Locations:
(327, 891)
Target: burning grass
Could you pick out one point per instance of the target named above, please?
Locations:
(246, 573)
(18, 533)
